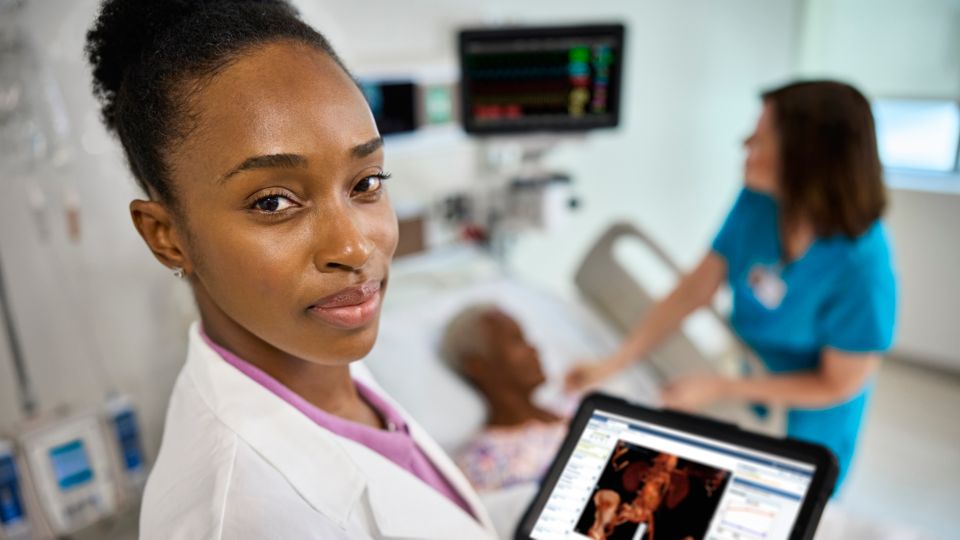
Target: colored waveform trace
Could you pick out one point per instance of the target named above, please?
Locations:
(579, 54)
(518, 73)
(580, 81)
(540, 86)
(515, 59)
(578, 101)
(522, 99)
(578, 69)
(754, 521)
(497, 112)
(603, 56)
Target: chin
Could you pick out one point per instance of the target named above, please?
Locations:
(535, 383)
(757, 185)
(339, 347)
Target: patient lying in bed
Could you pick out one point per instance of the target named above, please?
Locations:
(487, 348)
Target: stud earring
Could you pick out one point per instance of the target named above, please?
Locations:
(178, 272)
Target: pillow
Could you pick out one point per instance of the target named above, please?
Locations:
(406, 360)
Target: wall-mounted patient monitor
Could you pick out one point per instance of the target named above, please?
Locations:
(560, 78)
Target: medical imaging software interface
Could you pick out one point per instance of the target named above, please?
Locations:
(635, 481)
(543, 82)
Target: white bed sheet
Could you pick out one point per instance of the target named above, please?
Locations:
(406, 361)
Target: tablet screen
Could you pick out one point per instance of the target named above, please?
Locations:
(633, 480)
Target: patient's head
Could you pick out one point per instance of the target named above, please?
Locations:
(487, 347)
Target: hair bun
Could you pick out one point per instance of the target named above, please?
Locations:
(126, 31)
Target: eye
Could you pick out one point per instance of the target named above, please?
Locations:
(272, 204)
(371, 184)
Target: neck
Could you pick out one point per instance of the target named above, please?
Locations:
(329, 388)
(512, 408)
(798, 239)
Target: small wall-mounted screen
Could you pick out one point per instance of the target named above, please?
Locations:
(71, 466)
(128, 435)
(393, 104)
(11, 506)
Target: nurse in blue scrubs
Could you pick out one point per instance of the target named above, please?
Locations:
(807, 256)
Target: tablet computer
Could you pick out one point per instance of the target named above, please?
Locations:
(630, 472)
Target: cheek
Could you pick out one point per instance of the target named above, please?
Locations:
(382, 228)
(523, 366)
(757, 156)
(761, 167)
(262, 262)
(766, 159)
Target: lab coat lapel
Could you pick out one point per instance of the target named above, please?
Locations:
(436, 455)
(403, 506)
(451, 473)
(316, 465)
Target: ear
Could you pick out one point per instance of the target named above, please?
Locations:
(155, 223)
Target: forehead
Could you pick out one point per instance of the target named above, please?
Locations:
(766, 119)
(282, 97)
(501, 322)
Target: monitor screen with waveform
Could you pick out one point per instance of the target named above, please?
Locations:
(541, 79)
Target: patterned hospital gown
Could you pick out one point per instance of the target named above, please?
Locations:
(501, 457)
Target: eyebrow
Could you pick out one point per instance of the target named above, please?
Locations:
(367, 148)
(270, 161)
(292, 161)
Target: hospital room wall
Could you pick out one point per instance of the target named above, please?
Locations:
(99, 314)
(895, 49)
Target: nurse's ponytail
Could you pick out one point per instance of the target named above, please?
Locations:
(148, 56)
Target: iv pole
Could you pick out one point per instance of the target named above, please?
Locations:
(28, 401)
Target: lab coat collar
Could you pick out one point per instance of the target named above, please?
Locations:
(332, 485)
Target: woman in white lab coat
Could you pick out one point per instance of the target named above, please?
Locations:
(263, 170)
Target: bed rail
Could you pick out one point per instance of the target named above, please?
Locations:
(614, 293)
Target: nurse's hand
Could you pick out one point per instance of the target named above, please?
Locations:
(587, 375)
(693, 392)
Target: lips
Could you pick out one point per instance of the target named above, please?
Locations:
(350, 308)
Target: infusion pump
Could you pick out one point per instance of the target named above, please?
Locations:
(66, 474)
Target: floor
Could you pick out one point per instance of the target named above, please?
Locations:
(908, 471)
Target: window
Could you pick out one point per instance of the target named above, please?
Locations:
(918, 134)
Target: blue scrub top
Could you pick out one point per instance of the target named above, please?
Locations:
(840, 294)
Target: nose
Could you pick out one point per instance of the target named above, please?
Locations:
(342, 244)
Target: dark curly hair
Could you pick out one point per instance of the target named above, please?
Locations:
(144, 51)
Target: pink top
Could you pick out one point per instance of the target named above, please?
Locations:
(394, 443)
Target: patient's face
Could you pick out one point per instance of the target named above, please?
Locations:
(511, 354)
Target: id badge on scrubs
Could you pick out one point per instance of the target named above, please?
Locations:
(767, 285)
